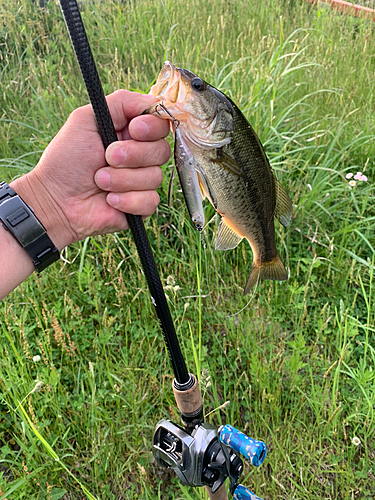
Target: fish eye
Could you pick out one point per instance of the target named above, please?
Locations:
(198, 84)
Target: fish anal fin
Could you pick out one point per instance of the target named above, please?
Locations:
(228, 238)
(284, 207)
(270, 270)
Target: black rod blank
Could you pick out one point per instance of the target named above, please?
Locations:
(108, 135)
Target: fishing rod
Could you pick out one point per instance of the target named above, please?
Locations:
(199, 454)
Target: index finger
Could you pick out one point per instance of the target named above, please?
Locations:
(125, 105)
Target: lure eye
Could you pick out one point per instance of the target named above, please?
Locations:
(198, 84)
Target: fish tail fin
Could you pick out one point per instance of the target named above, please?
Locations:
(271, 270)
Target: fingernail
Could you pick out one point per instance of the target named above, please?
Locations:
(103, 179)
(113, 199)
(117, 156)
(140, 130)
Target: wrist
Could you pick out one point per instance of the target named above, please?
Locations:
(35, 195)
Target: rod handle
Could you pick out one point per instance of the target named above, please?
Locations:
(242, 493)
(254, 451)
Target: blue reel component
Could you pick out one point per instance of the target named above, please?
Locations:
(207, 457)
(254, 451)
(242, 493)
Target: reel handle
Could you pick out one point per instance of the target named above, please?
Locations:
(242, 493)
(254, 451)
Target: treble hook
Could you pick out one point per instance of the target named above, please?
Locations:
(175, 122)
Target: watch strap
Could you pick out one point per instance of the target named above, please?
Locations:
(20, 220)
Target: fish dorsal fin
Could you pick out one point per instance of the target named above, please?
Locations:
(227, 239)
(284, 207)
(228, 163)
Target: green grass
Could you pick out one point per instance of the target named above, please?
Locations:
(297, 362)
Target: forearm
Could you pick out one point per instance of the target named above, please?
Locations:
(15, 263)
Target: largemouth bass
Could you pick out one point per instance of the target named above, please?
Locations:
(228, 162)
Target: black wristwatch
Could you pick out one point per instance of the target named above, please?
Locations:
(19, 219)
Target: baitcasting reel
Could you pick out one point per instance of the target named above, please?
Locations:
(208, 456)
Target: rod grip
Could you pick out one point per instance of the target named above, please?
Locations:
(254, 451)
(189, 402)
(242, 493)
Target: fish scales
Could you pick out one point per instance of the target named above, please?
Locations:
(251, 198)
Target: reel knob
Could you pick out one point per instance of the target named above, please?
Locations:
(254, 451)
(242, 493)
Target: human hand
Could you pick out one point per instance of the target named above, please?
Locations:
(77, 189)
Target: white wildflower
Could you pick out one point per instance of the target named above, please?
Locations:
(36, 358)
(357, 177)
(356, 441)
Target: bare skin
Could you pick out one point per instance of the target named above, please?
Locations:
(78, 190)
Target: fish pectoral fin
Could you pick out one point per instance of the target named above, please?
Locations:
(225, 161)
(284, 207)
(227, 239)
(203, 192)
(205, 186)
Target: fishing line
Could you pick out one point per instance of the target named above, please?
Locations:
(246, 305)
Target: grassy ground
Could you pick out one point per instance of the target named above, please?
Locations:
(297, 362)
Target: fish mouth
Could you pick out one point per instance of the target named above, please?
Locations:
(172, 90)
(167, 84)
(201, 115)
